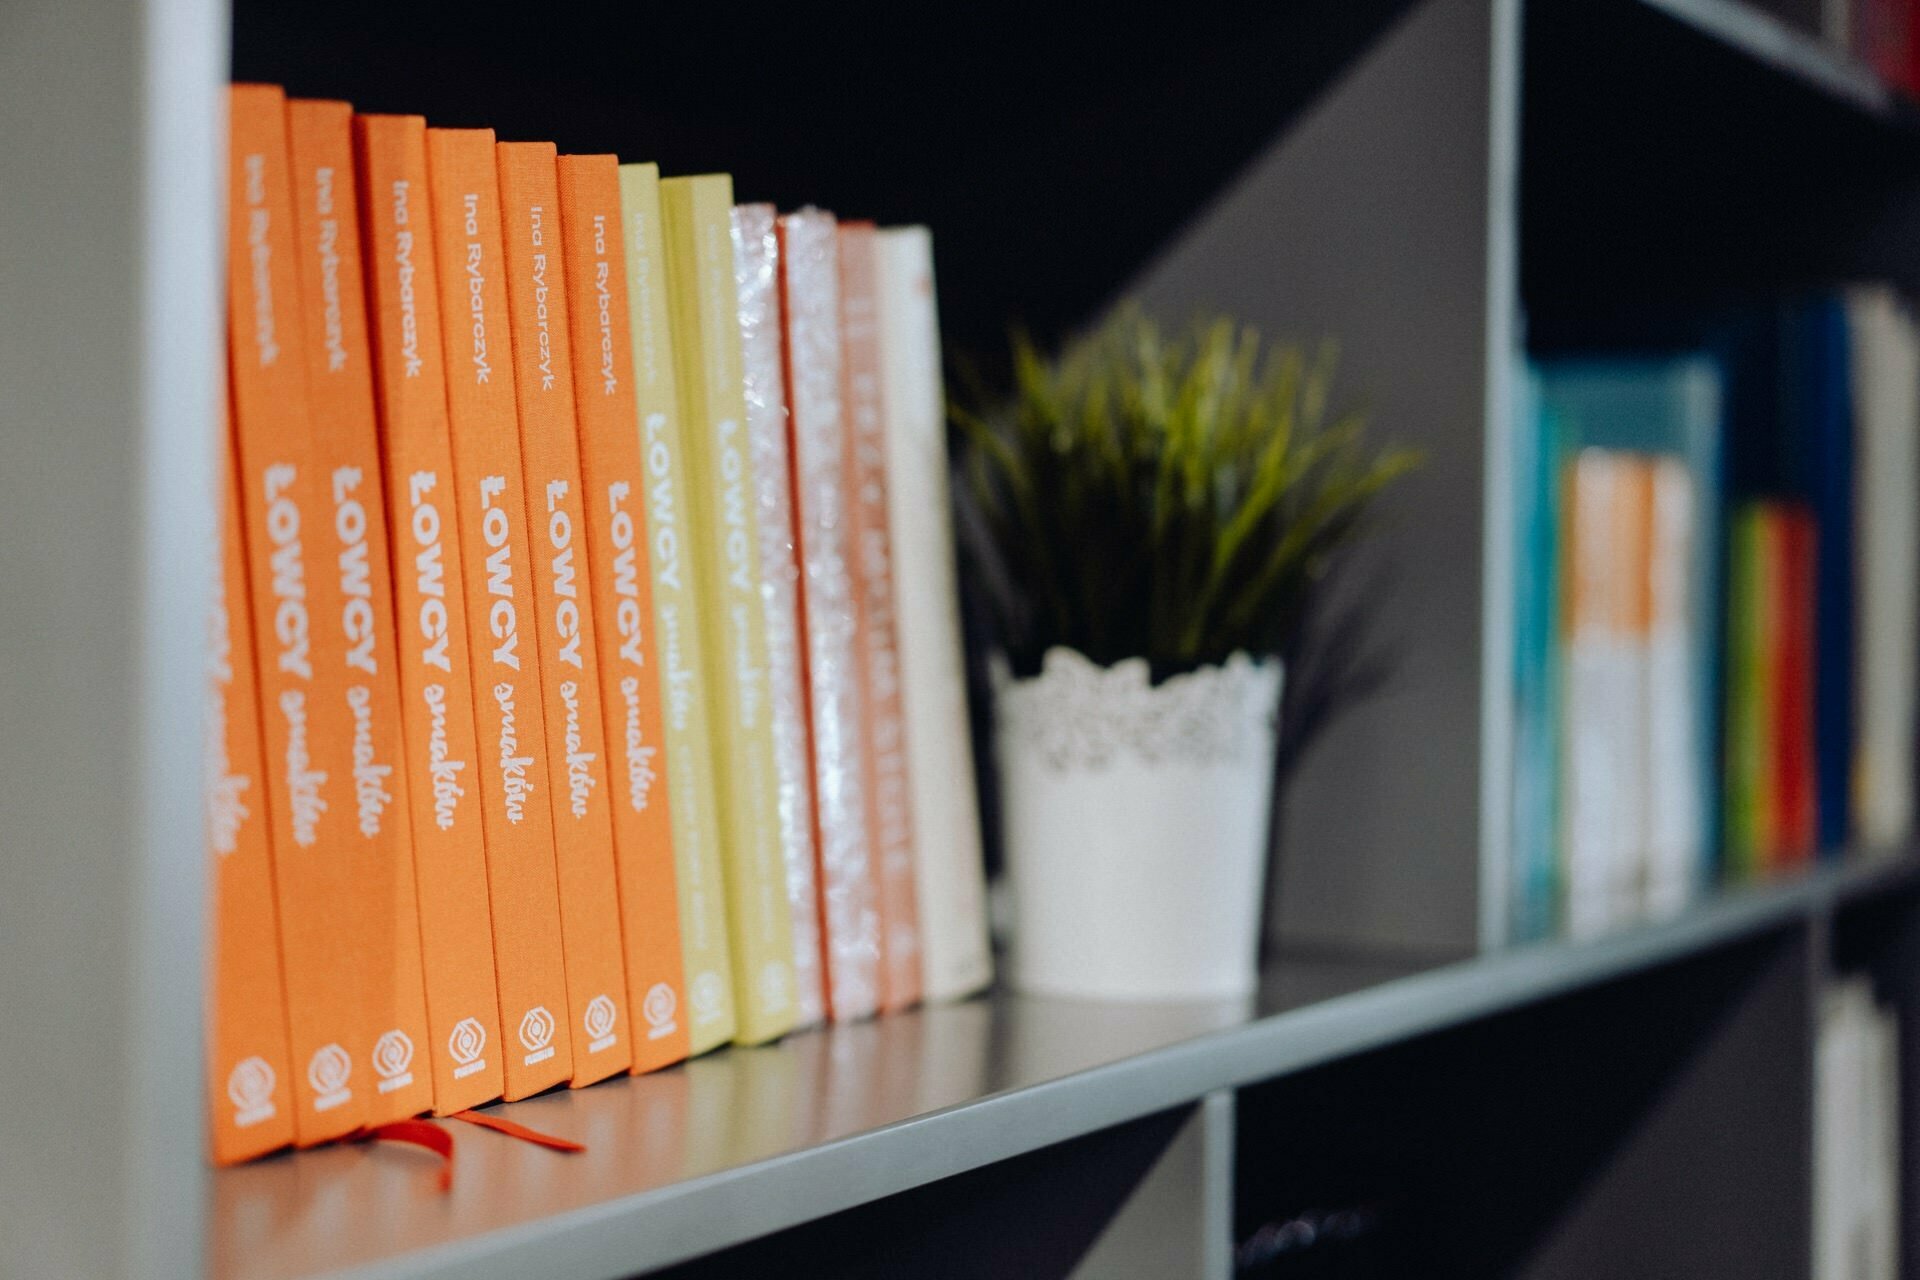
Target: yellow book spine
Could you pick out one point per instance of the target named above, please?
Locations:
(695, 218)
(678, 622)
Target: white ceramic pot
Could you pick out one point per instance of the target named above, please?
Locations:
(1136, 825)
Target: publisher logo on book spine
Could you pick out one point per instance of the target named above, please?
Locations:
(775, 990)
(250, 1088)
(465, 1042)
(709, 995)
(598, 1021)
(658, 1009)
(536, 1034)
(327, 1071)
(392, 1055)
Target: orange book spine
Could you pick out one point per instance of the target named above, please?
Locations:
(563, 601)
(322, 867)
(516, 779)
(248, 1100)
(354, 551)
(437, 676)
(621, 582)
(889, 804)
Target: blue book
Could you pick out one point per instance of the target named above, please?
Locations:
(1817, 444)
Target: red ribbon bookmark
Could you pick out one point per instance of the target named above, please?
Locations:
(514, 1129)
(420, 1134)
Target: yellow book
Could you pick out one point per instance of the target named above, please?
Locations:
(695, 218)
(691, 783)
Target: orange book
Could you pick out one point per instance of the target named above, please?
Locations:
(346, 450)
(248, 1100)
(621, 582)
(889, 804)
(322, 866)
(501, 615)
(563, 600)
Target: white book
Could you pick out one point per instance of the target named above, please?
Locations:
(1886, 397)
(1674, 847)
(1604, 735)
(955, 957)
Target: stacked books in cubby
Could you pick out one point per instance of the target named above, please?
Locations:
(586, 671)
(1714, 610)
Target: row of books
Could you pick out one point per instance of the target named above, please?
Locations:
(1856, 1134)
(586, 671)
(1717, 581)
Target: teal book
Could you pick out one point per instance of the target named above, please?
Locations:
(1669, 409)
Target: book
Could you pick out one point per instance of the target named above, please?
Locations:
(1535, 890)
(428, 581)
(347, 449)
(1666, 412)
(876, 639)
(249, 1094)
(955, 957)
(563, 633)
(1676, 849)
(691, 758)
(756, 270)
(726, 555)
(1603, 748)
(1792, 557)
(1885, 371)
(323, 870)
(1748, 826)
(620, 578)
(849, 905)
(452, 437)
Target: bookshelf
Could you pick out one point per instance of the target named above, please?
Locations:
(1415, 177)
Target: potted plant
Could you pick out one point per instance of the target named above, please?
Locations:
(1152, 517)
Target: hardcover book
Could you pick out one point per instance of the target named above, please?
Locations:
(564, 611)
(620, 577)
(726, 554)
(849, 897)
(889, 803)
(324, 870)
(955, 958)
(249, 1098)
(756, 269)
(346, 443)
(691, 754)
(468, 472)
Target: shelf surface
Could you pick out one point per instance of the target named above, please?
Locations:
(751, 1141)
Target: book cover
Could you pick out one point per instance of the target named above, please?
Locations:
(458, 320)
(849, 906)
(725, 550)
(1748, 827)
(563, 602)
(876, 639)
(322, 867)
(691, 758)
(1885, 369)
(346, 447)
(620, 578)
(1676, 833)
(756, 269)
(955, 957)
(1536, 890)
(249, 1094)
(429, 587)
(1605, 642)
(1793, 551)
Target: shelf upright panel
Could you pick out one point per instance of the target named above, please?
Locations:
(109, 342)
(1369, 222)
